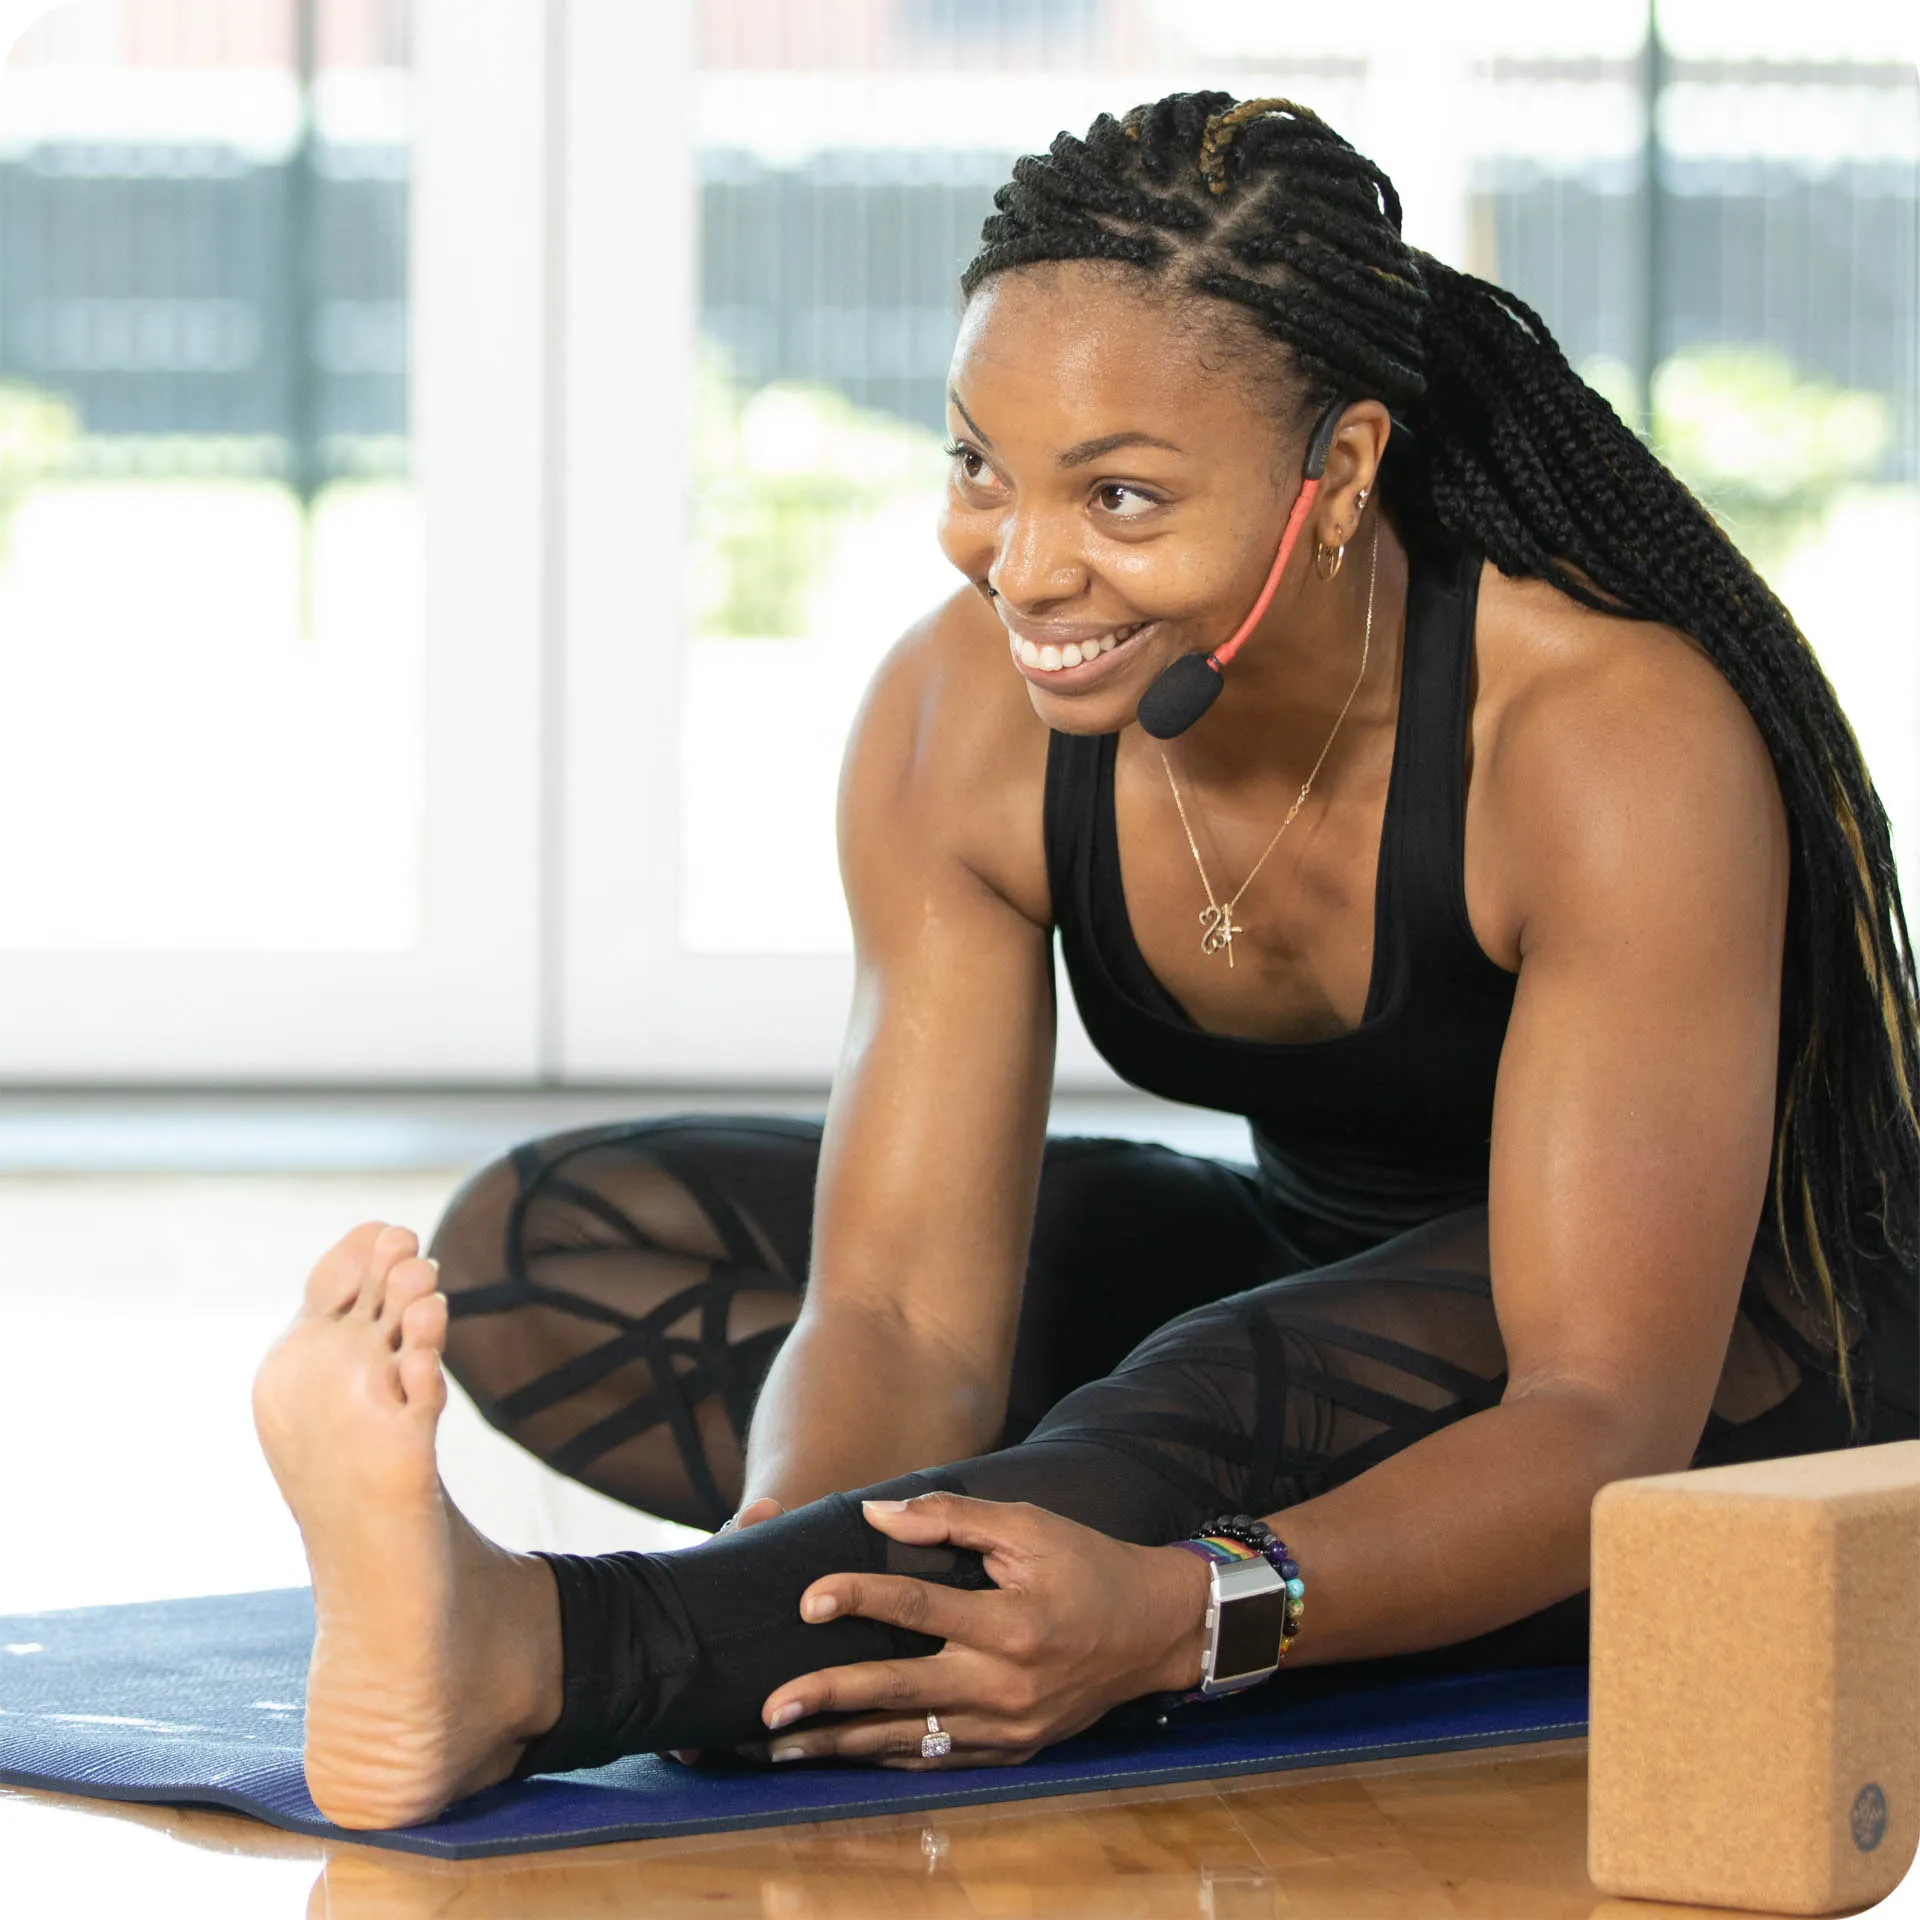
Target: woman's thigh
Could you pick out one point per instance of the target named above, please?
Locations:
(617, 1293)
(1290, 1388)
(1285, 1391)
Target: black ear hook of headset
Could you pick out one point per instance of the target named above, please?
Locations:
(1180, 695)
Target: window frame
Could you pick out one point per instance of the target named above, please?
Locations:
(463, 1003)
(635, 1005)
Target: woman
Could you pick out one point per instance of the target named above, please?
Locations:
(1523, 886)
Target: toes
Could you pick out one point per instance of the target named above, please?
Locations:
(407, 1281)
(340, 1274)
(391, 1246)
(421, 1380)
(424, 1324)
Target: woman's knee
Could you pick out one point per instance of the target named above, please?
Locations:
(470, 1239)
(485, 1232)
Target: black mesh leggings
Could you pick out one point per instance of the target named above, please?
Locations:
(1185, 1346)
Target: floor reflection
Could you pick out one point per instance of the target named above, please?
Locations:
(1447, 1837)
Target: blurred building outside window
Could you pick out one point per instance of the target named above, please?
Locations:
(210, 604)
(1718, 222)
(214, 661)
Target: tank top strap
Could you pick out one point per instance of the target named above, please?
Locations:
(1422, 917)
(1424, 836)
(1078, 767)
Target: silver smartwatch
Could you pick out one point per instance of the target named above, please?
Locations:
(1246, 1619)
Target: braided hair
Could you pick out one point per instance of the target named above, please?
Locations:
(1263, 205)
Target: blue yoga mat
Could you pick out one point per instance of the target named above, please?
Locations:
(199, 1701)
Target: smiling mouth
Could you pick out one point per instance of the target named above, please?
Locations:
(1050, 659)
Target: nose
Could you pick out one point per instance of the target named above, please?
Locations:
(1035, 561)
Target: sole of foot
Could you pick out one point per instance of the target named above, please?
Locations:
(436, 1655)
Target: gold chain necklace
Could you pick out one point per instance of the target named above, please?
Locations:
(1217, 926)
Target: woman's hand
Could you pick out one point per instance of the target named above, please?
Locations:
(1078, 1624)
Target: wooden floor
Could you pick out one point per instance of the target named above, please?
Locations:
(1498, 1834)
(172, 1287)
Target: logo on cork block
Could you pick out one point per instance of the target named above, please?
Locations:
(1869, 1817)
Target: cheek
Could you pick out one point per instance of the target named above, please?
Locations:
(1188, 581)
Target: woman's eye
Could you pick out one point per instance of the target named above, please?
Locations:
(1123, 502)
(972, 466)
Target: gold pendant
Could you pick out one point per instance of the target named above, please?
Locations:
(1217, 930)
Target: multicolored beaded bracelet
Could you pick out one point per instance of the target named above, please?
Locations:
(1239, 1536)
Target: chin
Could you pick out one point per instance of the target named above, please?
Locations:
(1107, 711)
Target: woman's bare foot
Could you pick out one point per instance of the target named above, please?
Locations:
(436, 1655)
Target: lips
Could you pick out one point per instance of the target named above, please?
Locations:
(1049, 657)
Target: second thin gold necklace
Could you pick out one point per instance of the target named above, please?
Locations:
(1217, 926)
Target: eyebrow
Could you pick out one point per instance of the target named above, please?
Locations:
(1111, 443)
(1079, 455)
(968, 418)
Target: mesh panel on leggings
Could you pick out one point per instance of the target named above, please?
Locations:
(1255, 1402)
(618, 1293)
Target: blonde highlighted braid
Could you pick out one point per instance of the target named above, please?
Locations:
(1260, 204)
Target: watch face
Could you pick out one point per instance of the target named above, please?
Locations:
(1250, 1631)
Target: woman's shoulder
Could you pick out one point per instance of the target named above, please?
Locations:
(1602, 743)
(1556, 675)
(947, 734)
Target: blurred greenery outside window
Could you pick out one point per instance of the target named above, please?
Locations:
(844, 175)
(210, 548)
(784, 471)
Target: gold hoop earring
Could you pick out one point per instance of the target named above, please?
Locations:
(1327, 560)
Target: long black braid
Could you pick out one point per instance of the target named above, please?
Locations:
(1263, 205)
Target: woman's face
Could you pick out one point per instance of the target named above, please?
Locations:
(1113, 482)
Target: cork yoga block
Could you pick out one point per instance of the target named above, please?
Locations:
(1754, 1719)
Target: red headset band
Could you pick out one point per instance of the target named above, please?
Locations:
(1319, 444)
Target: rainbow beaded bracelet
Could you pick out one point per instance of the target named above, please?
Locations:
(1240, 1537)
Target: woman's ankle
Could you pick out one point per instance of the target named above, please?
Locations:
(526, 1681)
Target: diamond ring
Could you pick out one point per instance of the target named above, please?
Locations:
(935, 1743)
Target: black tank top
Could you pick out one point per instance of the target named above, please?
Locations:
(1370, 1131)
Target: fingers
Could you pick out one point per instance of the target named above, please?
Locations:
(894, 1741)
(892, 1686)
(754, 1512)
(931, 1518)
(924, 1606)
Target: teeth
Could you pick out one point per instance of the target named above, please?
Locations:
(1051, 659)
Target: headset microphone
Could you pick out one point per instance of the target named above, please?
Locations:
(1180, 695)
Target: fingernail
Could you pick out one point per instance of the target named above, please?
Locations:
(884, 1506)
(787, 1715)
(789, 1753)
(822, 1606)
(433, 1263)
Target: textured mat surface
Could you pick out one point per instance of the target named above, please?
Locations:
(199, 1701)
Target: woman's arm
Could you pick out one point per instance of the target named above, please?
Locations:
(901, 1355)
(1636, 827)
(1640, 832)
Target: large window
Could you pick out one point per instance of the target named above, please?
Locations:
(210, 596)
(1720, 228)
(269, 518)
(460, 464)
